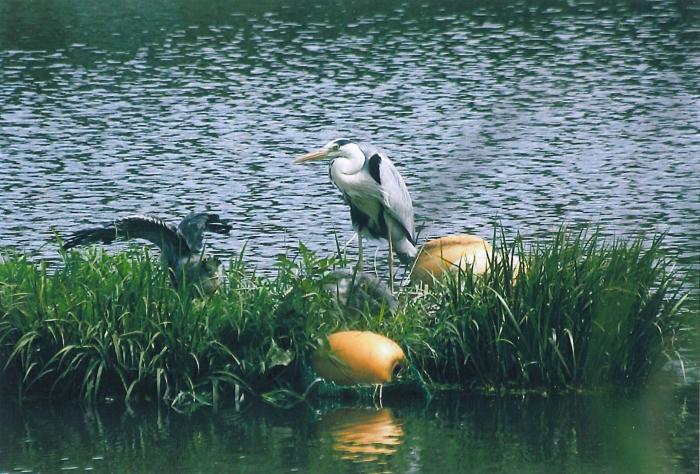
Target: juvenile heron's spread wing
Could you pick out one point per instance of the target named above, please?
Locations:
(149, 228)
(182, 247)
(193, 226)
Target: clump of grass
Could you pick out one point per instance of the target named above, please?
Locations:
(582, 313)
(113, 326)
(108, 325)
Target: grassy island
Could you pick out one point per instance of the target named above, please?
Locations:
(583, 313)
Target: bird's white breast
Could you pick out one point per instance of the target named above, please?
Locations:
(356, 185)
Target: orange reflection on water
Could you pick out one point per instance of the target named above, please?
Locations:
(362, 434)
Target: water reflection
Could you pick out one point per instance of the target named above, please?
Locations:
(362, 434)
(654, 431)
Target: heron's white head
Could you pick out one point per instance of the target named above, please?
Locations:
(338, 148)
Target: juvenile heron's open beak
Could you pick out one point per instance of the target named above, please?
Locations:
(313, 155)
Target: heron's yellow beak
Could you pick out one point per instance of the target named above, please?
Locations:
(313, 155)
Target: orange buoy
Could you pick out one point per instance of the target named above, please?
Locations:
(357, 357)
(449, 253)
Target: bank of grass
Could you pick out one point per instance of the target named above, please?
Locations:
(582, 314)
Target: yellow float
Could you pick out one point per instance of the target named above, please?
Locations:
(449, 253)
(452, 252)
(357, 357)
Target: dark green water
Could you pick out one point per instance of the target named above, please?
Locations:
(532, 113)
(573, 434)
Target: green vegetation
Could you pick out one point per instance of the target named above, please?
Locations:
(582, 314)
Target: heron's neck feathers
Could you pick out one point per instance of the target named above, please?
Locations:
(351, 161)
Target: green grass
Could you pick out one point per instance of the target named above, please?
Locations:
(583, 314)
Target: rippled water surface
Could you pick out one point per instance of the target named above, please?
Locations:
(531, 113)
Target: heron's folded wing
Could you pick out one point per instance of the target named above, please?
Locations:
(397, 201)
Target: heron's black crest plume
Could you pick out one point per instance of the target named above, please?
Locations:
(341, 141)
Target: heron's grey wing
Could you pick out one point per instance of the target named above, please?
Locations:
(105, 234)
(137, 226)
(397, 201)
(193, 226)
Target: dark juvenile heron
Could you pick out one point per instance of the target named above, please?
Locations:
(358, 291)
(182, 247)
(380, 205)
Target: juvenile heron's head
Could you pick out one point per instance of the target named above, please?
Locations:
(217, 225)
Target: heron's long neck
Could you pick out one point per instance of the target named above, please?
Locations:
(350, 163)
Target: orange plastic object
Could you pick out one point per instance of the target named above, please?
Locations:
(357, 357)
(448, 253)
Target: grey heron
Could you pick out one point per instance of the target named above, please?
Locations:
(182, 247)
(380, 205)
(357, 290)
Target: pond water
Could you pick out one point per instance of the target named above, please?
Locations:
(529, 113)
(469, 433)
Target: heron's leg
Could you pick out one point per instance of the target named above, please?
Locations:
(391, 265)
(360, 261)
(349, 241)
